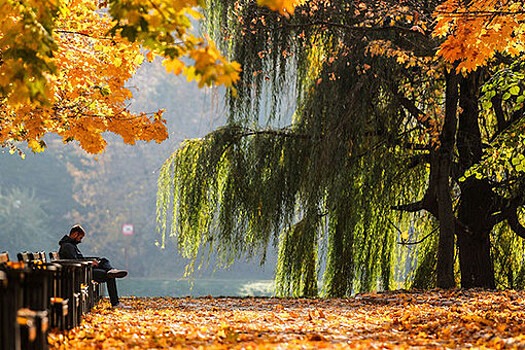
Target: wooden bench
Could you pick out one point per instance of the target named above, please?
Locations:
(89, 287)
(4, 257)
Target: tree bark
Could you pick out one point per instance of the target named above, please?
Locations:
(477, 199)
(445, 258)
(475, 261)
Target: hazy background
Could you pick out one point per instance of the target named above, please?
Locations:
(43, 195)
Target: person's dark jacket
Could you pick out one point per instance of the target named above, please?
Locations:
(68, 249)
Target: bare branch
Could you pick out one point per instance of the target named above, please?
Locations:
(514, 223)
(421, 240)
(413, 110)
(417, 160)
(411, 207)
(272, 132)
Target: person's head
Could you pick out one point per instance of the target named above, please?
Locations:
(77, 233)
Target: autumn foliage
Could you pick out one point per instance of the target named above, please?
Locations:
(83, 94)
(394, 320)
(64, 66)
(284, 7)
(475, 31)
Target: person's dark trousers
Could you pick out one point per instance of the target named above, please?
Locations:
(104, 264)
(100, 275)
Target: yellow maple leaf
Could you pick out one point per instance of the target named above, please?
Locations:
(173, 65)
(284, 7)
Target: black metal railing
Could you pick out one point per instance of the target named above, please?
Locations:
(37, 294)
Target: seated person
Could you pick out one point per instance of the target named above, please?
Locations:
(102, 269)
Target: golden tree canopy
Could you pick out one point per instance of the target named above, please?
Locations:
(64, 64)
(475, 31)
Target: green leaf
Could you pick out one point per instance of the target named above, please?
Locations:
(515, 90)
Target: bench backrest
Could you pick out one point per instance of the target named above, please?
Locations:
(34, 257)
(4, 257)
(40, 256)
(54, 256)
(25, 257)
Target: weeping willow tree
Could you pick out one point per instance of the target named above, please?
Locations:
(340, 142)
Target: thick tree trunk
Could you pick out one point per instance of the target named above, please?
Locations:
(477, 201)
(473, 235)
(477, 270)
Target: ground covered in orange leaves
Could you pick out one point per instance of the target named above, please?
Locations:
(393, 320)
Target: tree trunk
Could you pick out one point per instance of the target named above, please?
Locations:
(475, 261)
(477, 270)
(445, 258)
(477, 199)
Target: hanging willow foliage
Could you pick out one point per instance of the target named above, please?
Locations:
(336, 112)
(316, 152)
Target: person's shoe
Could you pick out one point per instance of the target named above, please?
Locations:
(114, 273)
(121, 306)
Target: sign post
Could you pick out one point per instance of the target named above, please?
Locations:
(127, 230)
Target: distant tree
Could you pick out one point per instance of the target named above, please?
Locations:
(23, 222)
(47, 176)
(385, 133)
(119, 185)
(113, 189)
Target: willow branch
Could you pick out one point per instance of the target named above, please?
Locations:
(280, 133)
(356, 28)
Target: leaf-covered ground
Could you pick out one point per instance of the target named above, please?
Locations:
(394, 320)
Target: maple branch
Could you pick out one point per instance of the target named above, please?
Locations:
(414, 242)
(418, 159)
(417, 147)
(384, 141)
(159, 10)
(63, 31)
(479, 13)
(498, 111)
(77, 110)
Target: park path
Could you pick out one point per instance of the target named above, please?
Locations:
(394, 320)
